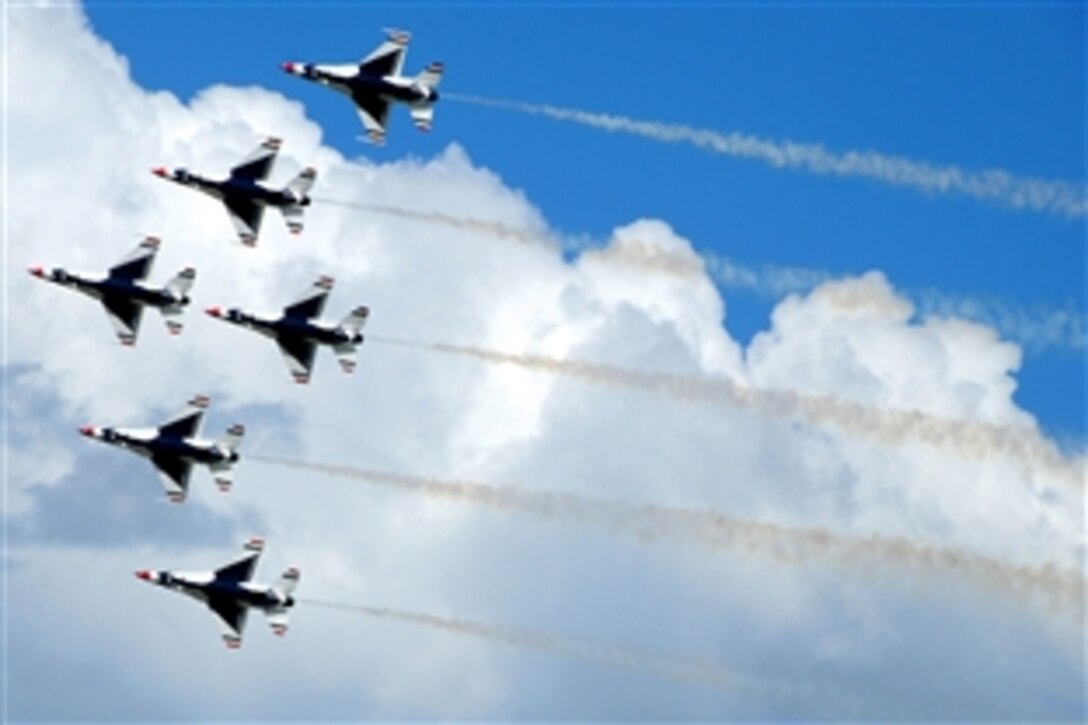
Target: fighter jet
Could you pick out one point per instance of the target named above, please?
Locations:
(122, 292)
(176, 445)
(230, 594)
(245, 197)
(298, 333)
(377, 82)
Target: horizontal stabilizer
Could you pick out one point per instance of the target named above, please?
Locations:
(288, 581)
(302, 183)
(278, 621)
(233, 437)
(181, 283)
(431, 76)
(422, 116)
(355, 320)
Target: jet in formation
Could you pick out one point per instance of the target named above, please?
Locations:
(124, 295)
(230, 594)
(176, 445)
(376, 82)
(245, 197)
(298, 333)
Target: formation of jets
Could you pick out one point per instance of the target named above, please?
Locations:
(298, 333)
(377, 82)
(176, 446)
(245, 197)
(124, 295)
(229, 593)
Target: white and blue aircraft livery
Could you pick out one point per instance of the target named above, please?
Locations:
(123, 294)
(245, 197)
(298, 332)
(230, 594)
(376, 82)
(176, 445)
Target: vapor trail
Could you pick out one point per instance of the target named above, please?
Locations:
(701, 673)
(717, 531)
(991, 185)
(646, 258)
(970, 440)
(519, 234)
(1037, 327)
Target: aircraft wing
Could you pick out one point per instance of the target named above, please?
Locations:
(125, 316)
(174, 473)
(388, 58)
(373, 112)
(311, 303)
(232, 619)
(241, 569)
(187, 423)
(246, 216)
(299, 354)
(258, 164)
(136, 265)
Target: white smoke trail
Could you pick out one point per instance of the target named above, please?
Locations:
(717, 531)
(974, 441)
(992, 185)
(504, 231)
(700, 673)
(1037, 327)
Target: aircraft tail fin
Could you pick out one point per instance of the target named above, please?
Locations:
(178, 288)
(233, 437)
(288, 581)
(354, 321)
(299, 187)
(223, 470)
(301, 184)
(431, 76)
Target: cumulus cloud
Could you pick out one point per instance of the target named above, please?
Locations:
(920, 644)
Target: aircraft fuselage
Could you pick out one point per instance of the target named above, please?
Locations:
(148, 443)
(205, 587)
(240, 189)
(293, 327)
(360, 86)
(103, 288)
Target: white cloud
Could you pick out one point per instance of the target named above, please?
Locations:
(893, 639)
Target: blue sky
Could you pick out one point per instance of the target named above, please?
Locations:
(777, 523)
(973, 86)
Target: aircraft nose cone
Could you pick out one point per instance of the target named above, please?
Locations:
(37, 271)
(144, 574)
(160, 171)
(288, 67)
(214, 311)
(87, 430)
